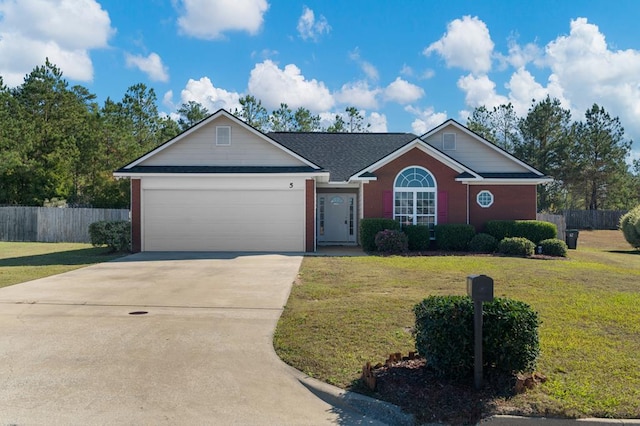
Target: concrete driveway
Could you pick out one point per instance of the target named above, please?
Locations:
(72, 353)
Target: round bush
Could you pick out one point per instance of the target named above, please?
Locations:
(444, 335)
(516, 246)
(391, 241)
(483, 243)
(115, 234)
(630, 227)
(554, 247)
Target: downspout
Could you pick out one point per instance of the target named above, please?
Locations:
(467, 203)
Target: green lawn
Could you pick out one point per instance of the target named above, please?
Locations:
(345, 311)
(20, 262)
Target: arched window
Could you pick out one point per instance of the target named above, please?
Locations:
(414, 197)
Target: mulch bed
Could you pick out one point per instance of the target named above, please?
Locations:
(413, 386)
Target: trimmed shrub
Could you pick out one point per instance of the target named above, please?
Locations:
(419, 237)
(554, 247)
(454, 236)
(516, 246)
(115, 234)
(500, 229)
(369, 227)
(391, 241)
(483, 243)
(630, 227)
(444, 335)
(533, 230)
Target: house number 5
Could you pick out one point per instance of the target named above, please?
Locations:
(290, 184)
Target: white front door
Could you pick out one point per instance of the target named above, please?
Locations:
(337, 218)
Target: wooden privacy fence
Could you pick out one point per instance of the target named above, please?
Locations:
(593, 219)
(51, 224)
(557, 220)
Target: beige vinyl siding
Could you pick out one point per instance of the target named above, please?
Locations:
(199, 149)
(475, 154)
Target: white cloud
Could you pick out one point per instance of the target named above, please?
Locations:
(378, 122)
(151, 65)
(206, 94)
(403, 92)
(466, 44)
(588, 71)
(427, 74)
(62, 30)
(209, 19)
(309, 28)
(480, 91)
(358, 94)
(426, 119)
(369, 69)
(520, 56)
(273, 86)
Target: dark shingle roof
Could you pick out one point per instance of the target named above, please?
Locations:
(342, 154)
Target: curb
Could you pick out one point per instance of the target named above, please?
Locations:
(528, 421)
(375, 409)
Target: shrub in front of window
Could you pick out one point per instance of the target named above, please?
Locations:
(516, 246)
(419, 237)
(533, 230)
(500, 229)
(444, 335)
(483, 243)
(630, 227)
(454, 236)
(369, 227)
(554, 247)
(392, 242)
(115, 234)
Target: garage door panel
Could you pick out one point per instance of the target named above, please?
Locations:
(207, 220)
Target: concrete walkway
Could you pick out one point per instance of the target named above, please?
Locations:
(73, 353)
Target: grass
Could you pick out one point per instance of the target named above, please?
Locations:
(21, 262)
(345, 311)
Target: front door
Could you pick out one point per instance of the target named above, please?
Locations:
(337, 218)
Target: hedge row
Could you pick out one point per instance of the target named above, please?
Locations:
(512, 237)
(533, 230)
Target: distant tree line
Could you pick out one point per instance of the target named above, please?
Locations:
(59, 146)
(586, 158)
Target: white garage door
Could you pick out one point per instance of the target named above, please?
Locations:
(223, 220)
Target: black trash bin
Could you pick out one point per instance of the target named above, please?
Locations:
(572, 238)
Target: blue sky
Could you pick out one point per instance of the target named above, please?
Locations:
(407, 65)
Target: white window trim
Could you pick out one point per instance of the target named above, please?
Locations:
(220, 141)
(414, 191)
(481, 193)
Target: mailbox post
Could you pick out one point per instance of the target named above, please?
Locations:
(480, 289)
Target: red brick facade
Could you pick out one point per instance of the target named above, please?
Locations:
(455, 192)
(510, 201)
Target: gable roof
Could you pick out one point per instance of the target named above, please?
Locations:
(220, 113)
(498, 150)
(342, 154)
(339, 157)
